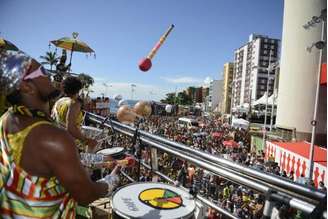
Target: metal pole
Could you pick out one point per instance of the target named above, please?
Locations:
(266, 104)
(154, 162)
(232, 95)
(274, 96)
(314, 121)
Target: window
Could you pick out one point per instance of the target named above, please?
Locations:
(272, 46)
(265, 52)
(265, 40)
(265, 46)
(272, 41)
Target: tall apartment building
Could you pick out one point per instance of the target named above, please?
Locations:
(250, 69)
(227, 81)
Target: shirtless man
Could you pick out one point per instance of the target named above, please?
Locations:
(41, 175)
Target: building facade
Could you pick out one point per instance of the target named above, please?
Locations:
(299, 71)
(205, 93)
(227, 81)
(251, 62)
(215, 95)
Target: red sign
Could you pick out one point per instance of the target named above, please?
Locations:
(323, 78)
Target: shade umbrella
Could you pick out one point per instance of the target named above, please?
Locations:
(6, 45)
(72, 44)
(231, 144)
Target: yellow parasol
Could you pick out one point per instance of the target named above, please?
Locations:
(72, 44)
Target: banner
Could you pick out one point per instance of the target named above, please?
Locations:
(294, 156)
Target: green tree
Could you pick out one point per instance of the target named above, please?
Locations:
(184, 99)
(86, 80)
(49, 59)
(170, 99)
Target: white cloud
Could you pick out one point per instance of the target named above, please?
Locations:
(141, 91)
(207, 81)
(144, 91)
(182, 80)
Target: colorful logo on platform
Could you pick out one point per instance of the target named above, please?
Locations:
(160, 198)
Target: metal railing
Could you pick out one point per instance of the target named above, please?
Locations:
(277, 189)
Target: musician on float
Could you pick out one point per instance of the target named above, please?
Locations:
(67, 112)
(41, 175)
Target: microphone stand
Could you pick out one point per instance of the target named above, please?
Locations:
(137, 146)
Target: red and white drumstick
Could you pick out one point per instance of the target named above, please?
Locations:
(145, 64)
(126, 162)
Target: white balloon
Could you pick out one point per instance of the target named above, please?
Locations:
(122, 102)
(168, 108)
(118, 97)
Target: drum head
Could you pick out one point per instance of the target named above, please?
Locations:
(115, 152)
(153, 200)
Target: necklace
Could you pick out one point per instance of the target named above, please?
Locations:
(34, 113)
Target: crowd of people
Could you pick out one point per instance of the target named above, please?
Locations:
(239, 200)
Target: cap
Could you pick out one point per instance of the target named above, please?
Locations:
(13, 66)
(16, 66)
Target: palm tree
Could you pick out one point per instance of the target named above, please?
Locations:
(86, 80)
(49, 59)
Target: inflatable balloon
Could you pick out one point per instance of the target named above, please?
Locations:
(125, 114)
(168, 108)
(122, 102)
(118, 97)
(142, 108)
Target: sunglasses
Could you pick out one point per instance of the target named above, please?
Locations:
(39, 72)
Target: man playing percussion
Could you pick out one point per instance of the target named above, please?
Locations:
(67, 112)
(40, 172)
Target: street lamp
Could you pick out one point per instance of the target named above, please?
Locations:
(133, 86)
(319, 45)
(274, 98)
(271, 66)
(106, 88)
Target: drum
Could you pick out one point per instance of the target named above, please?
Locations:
(115, 152)
(93, 132)
(152, 200)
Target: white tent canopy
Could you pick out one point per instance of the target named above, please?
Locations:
(262, 100)
(240, 123)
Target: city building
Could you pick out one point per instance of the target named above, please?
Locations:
(205, 93)
(199, 95)
(195, 94)
(215, 95)
(250, 69)
(227, 81)
(299, 69)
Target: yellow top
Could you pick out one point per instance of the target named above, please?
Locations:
(23, 195)
(60, 109)
(17, 139)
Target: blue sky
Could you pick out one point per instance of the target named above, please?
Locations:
(123, 31)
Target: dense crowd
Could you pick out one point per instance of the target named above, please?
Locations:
(237, 199)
